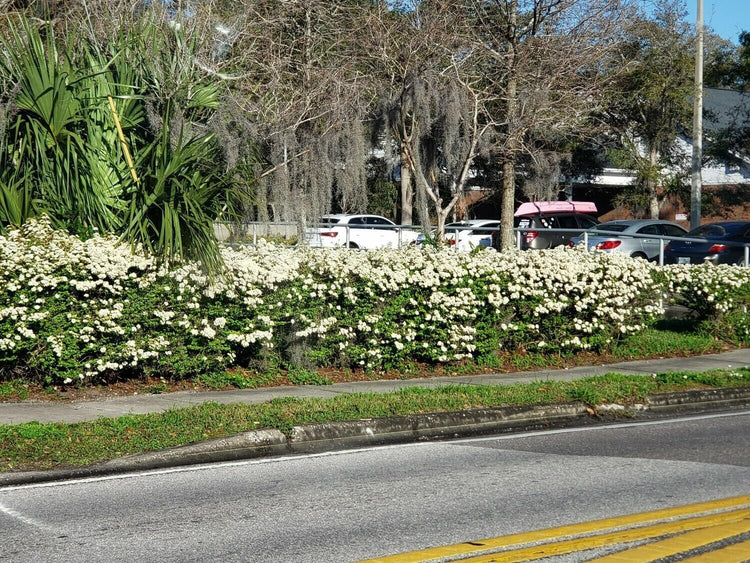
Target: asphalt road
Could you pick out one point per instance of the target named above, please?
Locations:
(352, 505)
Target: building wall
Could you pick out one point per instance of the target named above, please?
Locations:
(721, 203)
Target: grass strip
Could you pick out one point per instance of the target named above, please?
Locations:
(667, 337)
(43, 446)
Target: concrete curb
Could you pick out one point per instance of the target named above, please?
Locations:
(694, 401)
(311, 438)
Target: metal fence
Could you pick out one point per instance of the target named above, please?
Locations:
(251, 232)
(663, 240)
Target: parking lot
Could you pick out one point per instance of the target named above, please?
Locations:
(659, 241)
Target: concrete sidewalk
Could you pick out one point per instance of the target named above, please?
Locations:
(76, 411)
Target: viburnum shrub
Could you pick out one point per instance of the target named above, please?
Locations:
(719, 296)
(709, 291)
(73, 310)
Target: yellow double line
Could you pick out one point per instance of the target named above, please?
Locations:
(690, 526)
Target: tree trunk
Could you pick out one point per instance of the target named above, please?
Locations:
(407, 190)
(508, 201)
(510, 153)
(442, 215)
(653, 188)
(308, 46)
(653, 203)
(507, 238)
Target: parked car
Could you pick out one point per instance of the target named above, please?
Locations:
(716, 248)
(471, 234)
(535, 219)
(645, 247)
(364, 231)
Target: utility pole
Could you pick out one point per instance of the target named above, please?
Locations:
(697, 180)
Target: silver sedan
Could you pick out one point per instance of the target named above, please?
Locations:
(631, 237)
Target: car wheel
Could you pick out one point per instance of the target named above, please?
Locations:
(740, 261)
(639, 255)
(353, 245)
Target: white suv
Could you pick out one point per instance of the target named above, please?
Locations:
(471, 234)
(358, 231)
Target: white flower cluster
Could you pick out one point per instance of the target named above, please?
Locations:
(82, 309)
(709, 290)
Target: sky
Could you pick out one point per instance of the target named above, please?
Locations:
(726, 17)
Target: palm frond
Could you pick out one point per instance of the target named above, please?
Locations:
(181, 194)
(17, 204)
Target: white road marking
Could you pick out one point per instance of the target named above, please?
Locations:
(285, 458)
(25, 519)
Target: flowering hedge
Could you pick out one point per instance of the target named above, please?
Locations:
(90, 310)
(717, 295)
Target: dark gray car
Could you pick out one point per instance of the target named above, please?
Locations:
(723, 243)
(640, 246)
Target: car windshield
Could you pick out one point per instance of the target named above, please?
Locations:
(486, 229)
(328, 221)
(617, 227)
(712, 231)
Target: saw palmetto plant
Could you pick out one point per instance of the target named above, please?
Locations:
(112, 138)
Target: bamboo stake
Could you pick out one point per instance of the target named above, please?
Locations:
(123, 142)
